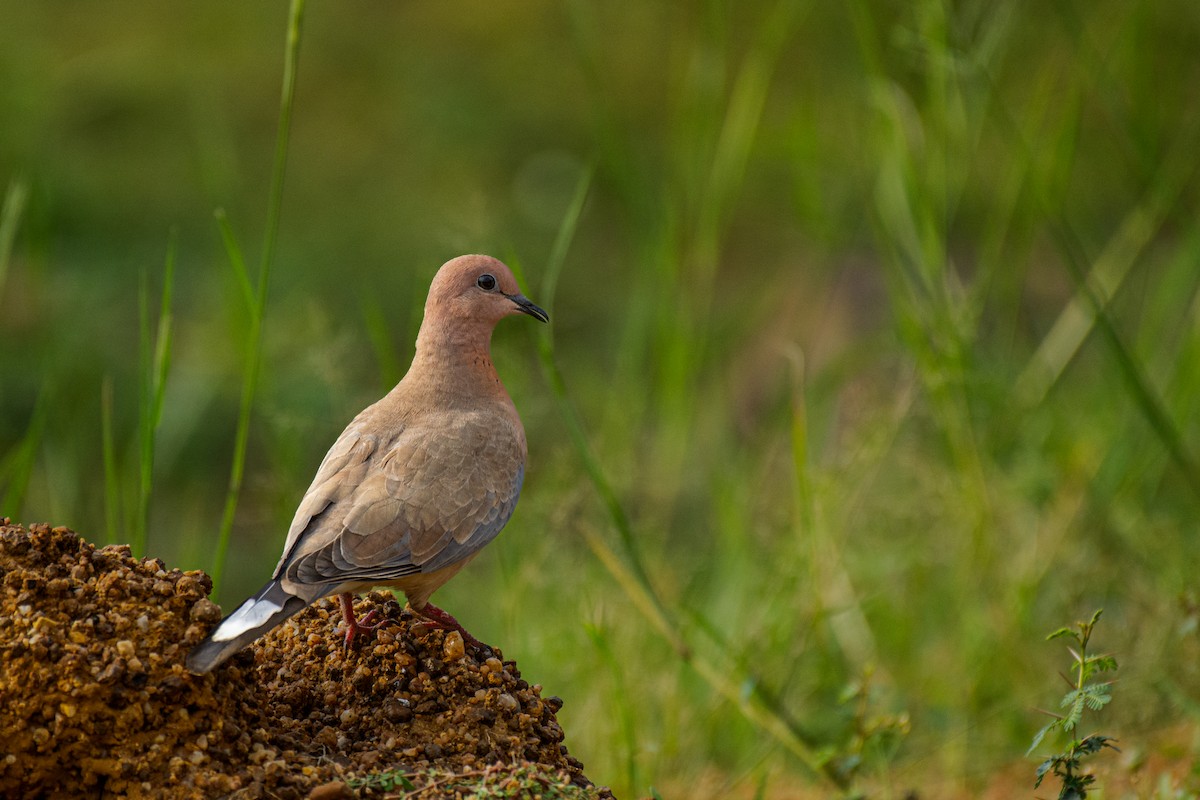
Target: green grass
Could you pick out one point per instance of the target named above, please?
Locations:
(256, 294)
(875, 344)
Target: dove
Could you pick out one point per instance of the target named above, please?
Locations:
(416, 485)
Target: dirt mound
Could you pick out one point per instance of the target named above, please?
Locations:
(95, 700)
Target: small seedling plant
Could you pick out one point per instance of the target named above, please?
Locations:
(1087, 693)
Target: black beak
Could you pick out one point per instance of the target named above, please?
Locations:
(526, 305)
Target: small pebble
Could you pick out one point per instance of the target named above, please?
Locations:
(333, 790)
(454, 646)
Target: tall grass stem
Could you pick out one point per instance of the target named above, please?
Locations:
(1134, 374)
(112, 481)
(10, 222)
(254, 335)
(16, 468)
(155, 364)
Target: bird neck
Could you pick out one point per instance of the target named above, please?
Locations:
(456, 359)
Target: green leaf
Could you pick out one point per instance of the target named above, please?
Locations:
(1037, 737)
(1061, 632)
(1073, 701)
(1096, 695)
(1045, 767)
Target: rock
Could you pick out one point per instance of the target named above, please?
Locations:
(334, 790)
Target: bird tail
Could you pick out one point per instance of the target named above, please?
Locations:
(262, 612)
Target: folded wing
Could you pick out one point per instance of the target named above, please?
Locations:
(379, 510)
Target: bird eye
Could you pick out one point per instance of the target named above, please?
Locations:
(486, 282)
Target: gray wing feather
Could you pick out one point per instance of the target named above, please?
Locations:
(378, 511)
(341, 472)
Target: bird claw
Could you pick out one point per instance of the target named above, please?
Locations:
(437, 618)
(358, 627)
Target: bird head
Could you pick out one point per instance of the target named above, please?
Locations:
(480, 289)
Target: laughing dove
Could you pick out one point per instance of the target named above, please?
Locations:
(417, 484)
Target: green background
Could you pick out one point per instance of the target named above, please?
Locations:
(828, 323)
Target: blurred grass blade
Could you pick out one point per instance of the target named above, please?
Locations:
(236, 260)
(752, 705)
(253, 345)
(10, 221)
(1185, 383)
(914, 205)
(630, 573)
(1107, 274)
(286, 101)
(155, 363)
(388, 361)
(242, 433)
(626, 720)
(112, 481)
(738, 132)
(832, 582)
(1147, 398)
(558, 389)
(565, 235)
(17, 465)
(641, 594)
(1093, 295)
(804, 503)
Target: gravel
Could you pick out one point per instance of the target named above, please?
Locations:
(95, 700)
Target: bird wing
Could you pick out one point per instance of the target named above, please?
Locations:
(429, 497)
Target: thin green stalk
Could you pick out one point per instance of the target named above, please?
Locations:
(804, 504)
(798, 738)
(391, 367)
(758, 705)
(735, 142)
(112, 483)
(1146, 397)
(258, 294)
(1108, 272)
(558, 388)
(249, 381)
(626, 723)
(10, 220)
(830, 579)
(914, 200)
(155, 363)
(17, 466)
(237, 261)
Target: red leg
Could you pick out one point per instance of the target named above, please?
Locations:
(356, 627)
(442, 619)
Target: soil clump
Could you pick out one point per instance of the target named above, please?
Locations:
(95, 700)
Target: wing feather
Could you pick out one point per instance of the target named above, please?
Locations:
(378, 510)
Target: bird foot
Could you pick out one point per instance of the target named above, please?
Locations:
(355, 628)
(437, 618)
